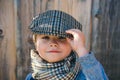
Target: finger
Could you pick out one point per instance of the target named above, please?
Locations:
(75, 32)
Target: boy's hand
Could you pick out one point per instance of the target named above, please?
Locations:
(78, 42)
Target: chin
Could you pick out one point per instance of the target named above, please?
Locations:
(53, 61)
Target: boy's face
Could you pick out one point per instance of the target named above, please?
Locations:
(52, 48)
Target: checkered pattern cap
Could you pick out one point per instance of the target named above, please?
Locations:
(54, 22)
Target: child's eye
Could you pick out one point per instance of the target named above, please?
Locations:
(46, 37)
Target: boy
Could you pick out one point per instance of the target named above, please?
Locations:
(60, 52)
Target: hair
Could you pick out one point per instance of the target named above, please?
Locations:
(32, 40)
(34, 37)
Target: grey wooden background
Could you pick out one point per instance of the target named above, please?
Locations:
(101, 26)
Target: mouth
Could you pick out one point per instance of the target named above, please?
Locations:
(54, 51)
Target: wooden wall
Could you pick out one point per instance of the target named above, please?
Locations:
(100, 26)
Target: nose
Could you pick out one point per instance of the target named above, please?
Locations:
(53, 43)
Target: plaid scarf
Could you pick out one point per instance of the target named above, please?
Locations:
(66, 69)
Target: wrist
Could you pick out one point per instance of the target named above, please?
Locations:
(82, 52)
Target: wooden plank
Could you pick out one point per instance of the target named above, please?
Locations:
(24, 15)
(7, 44)
(37, 7)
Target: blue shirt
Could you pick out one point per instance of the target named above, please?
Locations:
(91, 69)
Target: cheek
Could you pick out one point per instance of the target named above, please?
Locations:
(39, 46)
(66, 48)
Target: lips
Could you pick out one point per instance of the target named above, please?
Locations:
(54, 51)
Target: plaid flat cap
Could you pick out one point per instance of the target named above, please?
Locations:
(54, 22)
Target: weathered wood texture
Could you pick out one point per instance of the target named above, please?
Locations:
(7, 41)
(106, 35)
(24, 13)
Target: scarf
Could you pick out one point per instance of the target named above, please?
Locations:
(66, 69)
